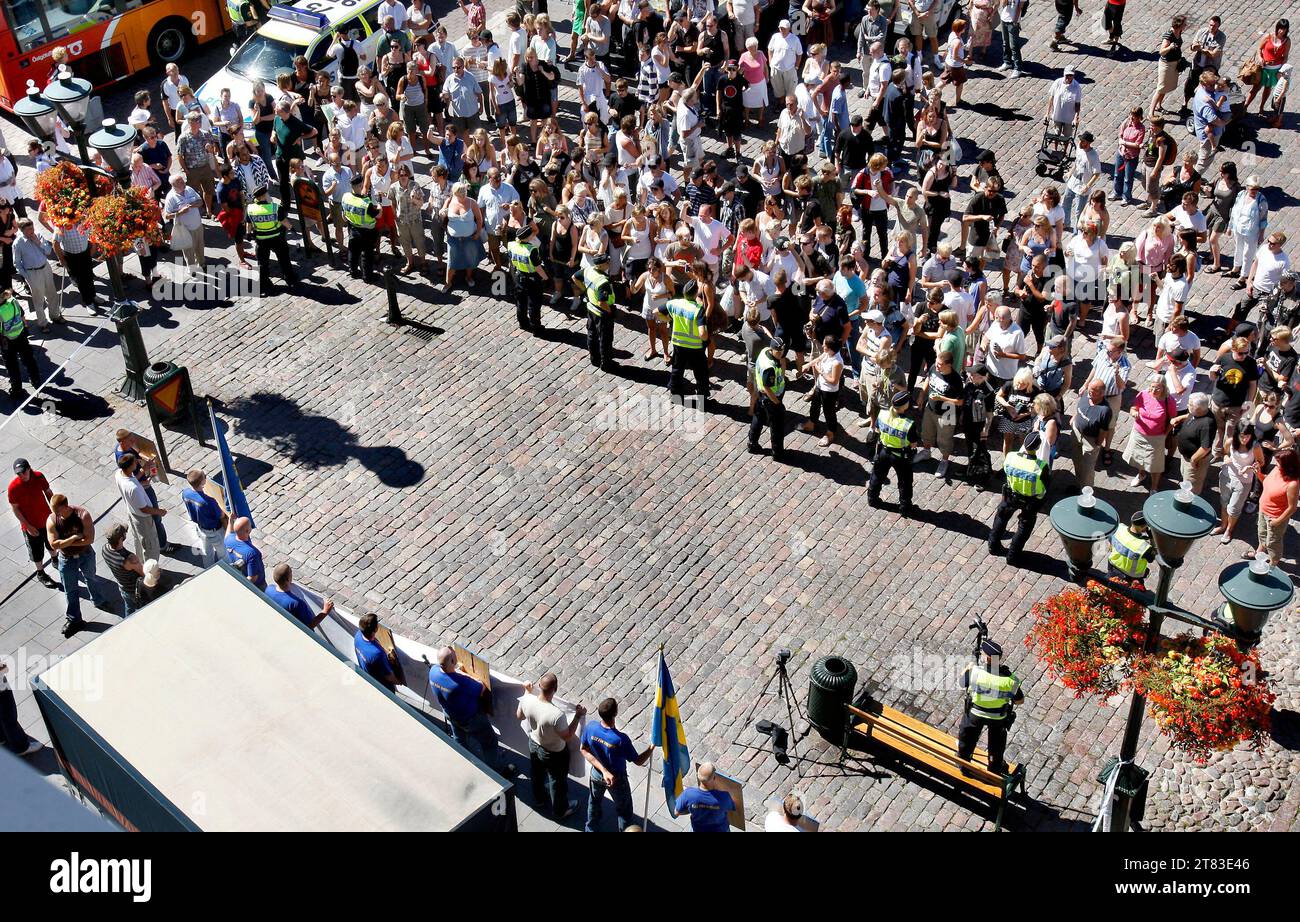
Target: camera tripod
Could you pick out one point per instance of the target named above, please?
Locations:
(782, 737)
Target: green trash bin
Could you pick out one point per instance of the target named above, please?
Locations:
(830, 687)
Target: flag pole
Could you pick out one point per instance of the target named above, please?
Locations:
(650, 767)
(216, 438)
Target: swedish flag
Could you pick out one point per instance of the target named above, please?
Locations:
(669, 735)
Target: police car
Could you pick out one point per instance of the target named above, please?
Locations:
(307, 29)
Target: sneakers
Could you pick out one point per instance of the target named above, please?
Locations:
(1136, 481)
(942, 470)
(1004, 66)
(1016, 73)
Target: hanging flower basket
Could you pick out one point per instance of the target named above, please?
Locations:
(117, 221)
(1206, 695)
(64, 195)
(1088, 638)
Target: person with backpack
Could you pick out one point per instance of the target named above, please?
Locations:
(1158, 153)
(350, 53)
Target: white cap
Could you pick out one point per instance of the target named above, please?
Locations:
(876, 315)
(783, 24)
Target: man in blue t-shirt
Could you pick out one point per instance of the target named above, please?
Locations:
(242, 555)
(708, 808)
(283, 594)
(608, 750)
(460, 695)
(371, 657)
(207, 515)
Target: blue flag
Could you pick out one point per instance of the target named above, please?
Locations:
(670, 736)
(236, 502)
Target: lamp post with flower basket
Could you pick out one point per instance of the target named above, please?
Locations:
(1207, 692)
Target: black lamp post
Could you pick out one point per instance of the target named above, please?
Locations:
(1178, 518)
(71, 97)
(37, 113)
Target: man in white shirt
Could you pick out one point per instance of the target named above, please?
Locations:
(549, 733)
(656, 169)
(1084, 175)
(1264, 275)
(518, 42)
(171, 94)
(1180, 378)
(1065, 101)
(1188, 216)
(742, 13)
(878, 76)
(711, 236)
(783, 53)
(140, 511)
(756, 290)
(396, 9)
(1173, 294)
(1009, 12)
(1004, 346)
(594, 83)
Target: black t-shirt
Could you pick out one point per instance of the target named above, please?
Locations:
(625, 105)
(750, 192)
(790, 311)
(1233, 383)
(1092, 420)
(941, 385)
(1291, 412)
(730, 90)
(1281, 362)
(1195, 433)
(979, 403)
(645, 30)
(853, 150)
(1175, 46)
(928, 321)
(981, 231)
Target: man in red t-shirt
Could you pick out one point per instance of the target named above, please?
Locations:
(29, 498)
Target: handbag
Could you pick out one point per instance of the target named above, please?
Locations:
(181, 237)
(1250, 71)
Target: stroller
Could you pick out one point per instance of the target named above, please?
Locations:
(1056, 152)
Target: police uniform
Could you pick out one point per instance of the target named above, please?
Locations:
(1130, 555)
(1025, 487)
(894, 452)
(689, 332)
(527, 265)
(600, 317)
(17, 347)
(269, 237)
(989, 700)
(769, 374)
(363, 239)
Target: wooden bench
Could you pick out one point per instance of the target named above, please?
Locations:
(934, 749)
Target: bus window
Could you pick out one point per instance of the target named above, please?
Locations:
(28, 22)
(371, 16)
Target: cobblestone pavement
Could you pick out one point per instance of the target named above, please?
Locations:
(470, 482)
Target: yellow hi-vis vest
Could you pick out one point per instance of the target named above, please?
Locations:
(687, 319)
(11, 319)
(594, 281)
(265, 218)
(894, 430)
(1025, 474)
(1128, 553)
(767, 362)
(356, 211)
(521, 257)
(990, 694)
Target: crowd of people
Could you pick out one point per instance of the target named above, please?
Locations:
(836, 260)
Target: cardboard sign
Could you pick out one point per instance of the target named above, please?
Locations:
(309, 199)
(213, 489)
(148, 452)
(384, 637)
(733, 787)
(473, 665)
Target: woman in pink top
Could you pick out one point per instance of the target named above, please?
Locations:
(753, 65)
(1152, 412)
(1277, 503)
(1155, 245)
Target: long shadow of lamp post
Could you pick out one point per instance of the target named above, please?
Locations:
(1178, 518)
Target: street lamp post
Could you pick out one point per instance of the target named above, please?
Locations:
(1177, 519)
(71, 97)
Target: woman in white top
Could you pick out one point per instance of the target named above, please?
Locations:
(829, 370)
(954, 59)
(398, 146)
(1237, 476)
(617, 216)
(814, 67)
(658, 288)
(593, 239)
(768, 169)
(665, 222)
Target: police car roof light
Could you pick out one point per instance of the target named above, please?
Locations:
(299, 17)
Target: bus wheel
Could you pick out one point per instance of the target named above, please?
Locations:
(169, 41)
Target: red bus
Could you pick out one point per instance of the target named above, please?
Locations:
(107, 40)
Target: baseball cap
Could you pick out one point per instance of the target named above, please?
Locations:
(1252, 182)
(742, 170)
(1056, 342)
(1069, 71)
(21, 465)
(876, 315)
(783, 24)
(979, 368)
(782, 243)
(1086, 136)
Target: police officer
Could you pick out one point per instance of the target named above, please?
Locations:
(991, 691)
(1025, 487)
(769, 380)
(530, 276)
(1131, 552)
(17, 347)
(600, 312)
(690, 336)
(894, 451)
(361, 215)
(269, 236)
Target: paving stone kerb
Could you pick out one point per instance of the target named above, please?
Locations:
(485, 486)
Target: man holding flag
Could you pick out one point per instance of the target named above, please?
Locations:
(608, 750)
